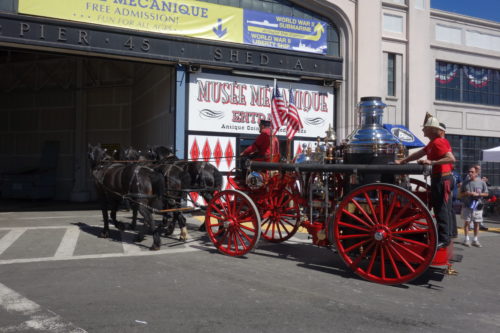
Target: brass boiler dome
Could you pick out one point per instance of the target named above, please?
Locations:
(371, 143)
(371, 136)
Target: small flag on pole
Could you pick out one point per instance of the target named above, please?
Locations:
(294, 124)
(278, 109)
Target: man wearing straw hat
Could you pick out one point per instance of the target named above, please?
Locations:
(441, 158)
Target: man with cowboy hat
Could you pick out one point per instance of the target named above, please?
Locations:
(440, 157)
(260, 150)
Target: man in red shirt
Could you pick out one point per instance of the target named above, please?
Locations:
(441, 158)
(260, 150)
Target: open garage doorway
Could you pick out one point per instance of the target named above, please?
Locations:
(53, 105)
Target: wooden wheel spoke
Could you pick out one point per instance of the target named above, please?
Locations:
(411, 241)
(229, 237)
(221, 213)
(233, 202)
(352, 226)
(344, 211)
(350, 248)
(402, 258)
(398, 215)
(372, 260)
(382, 262)
(246, 228)
(406, 221)
(282, 220)
(245, 235)
(218, 233)
(422, 223)
(380, 205)
(268, 223)
(238, 239)
(218, 224)
(225, 234)
(393, 263)
(407, 250)
(278, 228)
(411, 232)
(287, 200)
(356, 262)
(391, 209)
(354, 236)
(365, 214)
(370, 204)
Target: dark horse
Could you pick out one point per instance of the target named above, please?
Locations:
(138, 183)
(182, 177)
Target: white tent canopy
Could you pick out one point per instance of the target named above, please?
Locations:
(491, 155)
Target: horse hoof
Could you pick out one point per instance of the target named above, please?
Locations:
(154, 248)
(103, 235)
(138, 239)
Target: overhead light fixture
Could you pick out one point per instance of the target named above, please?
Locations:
(266, 75)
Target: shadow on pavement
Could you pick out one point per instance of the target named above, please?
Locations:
(18, 205)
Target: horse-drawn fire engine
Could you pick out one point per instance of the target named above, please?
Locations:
(351, 197)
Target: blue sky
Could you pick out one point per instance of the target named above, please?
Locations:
(486, 9)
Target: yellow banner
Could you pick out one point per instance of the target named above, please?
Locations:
(184, 18)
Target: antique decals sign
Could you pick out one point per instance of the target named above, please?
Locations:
(234, 105)
(189, 18)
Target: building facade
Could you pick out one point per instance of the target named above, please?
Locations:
(180, 73)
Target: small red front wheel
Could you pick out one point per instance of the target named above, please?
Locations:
(280, 215)
(233, 222)
(385, 233)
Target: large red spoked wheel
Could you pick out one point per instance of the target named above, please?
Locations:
(280, 214)
(385, 234)
(233, 222)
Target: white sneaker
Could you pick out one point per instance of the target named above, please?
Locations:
(476, 244)
(466, 243)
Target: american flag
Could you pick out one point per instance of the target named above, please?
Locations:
(278, 110)
(293, 118)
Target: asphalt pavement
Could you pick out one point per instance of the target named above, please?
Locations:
(56, 275)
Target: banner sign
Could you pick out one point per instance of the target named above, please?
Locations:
(189, 18)
(284, 32)
(234, 105)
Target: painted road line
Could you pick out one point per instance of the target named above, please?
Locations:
(68, 242)
(35, 318)
(193, 247)
(128, 243)
(8, 239)
(51, 227)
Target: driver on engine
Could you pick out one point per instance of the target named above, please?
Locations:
(260, 150)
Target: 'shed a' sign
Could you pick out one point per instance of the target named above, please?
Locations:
(234, 105)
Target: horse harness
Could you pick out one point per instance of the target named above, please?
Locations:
(99, 178)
